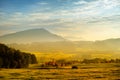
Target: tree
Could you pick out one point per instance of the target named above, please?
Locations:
(11, 58)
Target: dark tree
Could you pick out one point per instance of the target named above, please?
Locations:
(11, 58)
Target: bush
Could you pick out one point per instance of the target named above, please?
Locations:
(74, 67)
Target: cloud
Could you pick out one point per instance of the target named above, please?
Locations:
(96, 6)
(110, 3)
(42, 3)
(107, 19)
(82, 14)
(99, 3)
(80, 2)
(9, 24)
(39, 16)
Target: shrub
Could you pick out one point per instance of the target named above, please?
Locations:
(74, 67)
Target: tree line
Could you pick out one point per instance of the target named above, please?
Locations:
(100, 60)
(11, 58)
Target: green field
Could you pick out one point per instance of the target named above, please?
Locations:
(101, 71)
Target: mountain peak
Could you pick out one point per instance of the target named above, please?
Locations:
(36, 30)
(31, 35)
(40, 29)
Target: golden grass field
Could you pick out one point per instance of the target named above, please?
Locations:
(101, 71)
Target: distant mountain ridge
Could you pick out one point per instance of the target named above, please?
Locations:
(31, 35)
(42, 40)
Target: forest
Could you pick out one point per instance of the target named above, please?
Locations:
(12, 58)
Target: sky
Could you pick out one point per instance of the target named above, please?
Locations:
(72, 19)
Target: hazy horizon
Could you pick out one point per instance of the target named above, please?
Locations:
(76, 20)
(55, 34)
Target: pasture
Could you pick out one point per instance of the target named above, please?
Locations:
(98, 71)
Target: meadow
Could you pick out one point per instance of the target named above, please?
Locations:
(96, 71)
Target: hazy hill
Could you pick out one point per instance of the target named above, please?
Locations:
(109, 48)
(103, 45)
(47, 47)
(110, 45)
(29, 36)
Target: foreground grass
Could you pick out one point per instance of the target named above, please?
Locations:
(102, 71)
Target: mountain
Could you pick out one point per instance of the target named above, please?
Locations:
(103, 45)
(29, 36)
